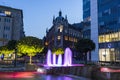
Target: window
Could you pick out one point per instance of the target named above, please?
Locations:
(109, 37)
(119, 20)
(59, 37)
(7, 12)
(46, 43)
(65, 31)
(6, 27)
(71, 39)
(100, 14)
(4, 35)
(60, 29)
(7, 20)
(66, 38)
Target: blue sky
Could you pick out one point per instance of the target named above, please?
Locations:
(38, 14)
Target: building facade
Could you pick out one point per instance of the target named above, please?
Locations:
(104, 18)
(86, 10)
(11, 24)
(109, 30)
(90, 29)
(62, 34)
(86, 19)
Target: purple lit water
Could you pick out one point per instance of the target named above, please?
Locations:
(49, 53)
(54, 61)
(59, 60)
(68, 57)
(67, 60)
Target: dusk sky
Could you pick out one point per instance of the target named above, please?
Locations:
(38, 14)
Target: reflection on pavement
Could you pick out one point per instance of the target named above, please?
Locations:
(31, 76)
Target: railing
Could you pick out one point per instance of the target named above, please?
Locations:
(11, 63)
(102, 63)
(109, 63)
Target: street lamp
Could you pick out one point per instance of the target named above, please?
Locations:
(15, 60)
(104, 55)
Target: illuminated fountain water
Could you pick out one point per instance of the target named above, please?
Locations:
(53, 60)
(49, 53)
(68, 57)
(59, 60)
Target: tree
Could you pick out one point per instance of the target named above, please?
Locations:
(58, 51)
(4, 50)
(84, 46)
(12, 44)
(9, 48)
(30, 46)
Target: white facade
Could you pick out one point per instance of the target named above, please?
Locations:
(94, 28)
(5, 29)
(11, 24)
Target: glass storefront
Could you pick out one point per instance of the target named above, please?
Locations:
(111, 54)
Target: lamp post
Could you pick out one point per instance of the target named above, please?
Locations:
(106, 42)
(104, 56)
(15, 60)
(105, 47)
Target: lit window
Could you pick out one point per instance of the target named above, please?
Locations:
(59, 37)
(66, 37)
(60, 28)
(109, 37)
(46, 43)
(7, 12)
(71, 39)
(74, 40)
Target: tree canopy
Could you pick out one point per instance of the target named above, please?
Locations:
(57, 51)
(5, 50)
(85, 45)
(12, 44)
(9, 47)
(29, 46)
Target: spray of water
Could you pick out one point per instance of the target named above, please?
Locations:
(67, 60)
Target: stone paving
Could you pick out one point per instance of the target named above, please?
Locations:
(78, 77)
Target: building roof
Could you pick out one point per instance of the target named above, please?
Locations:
(7, 7)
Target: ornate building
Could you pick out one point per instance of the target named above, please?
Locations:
(62, 34)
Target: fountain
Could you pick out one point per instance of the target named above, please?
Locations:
(49, 58)
(53, 60)
(61, 62)
(68, 57)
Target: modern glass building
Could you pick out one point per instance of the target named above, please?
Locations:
(109, 30)
(90, 17)
(107, 24)
(86, 19)
(86, 10)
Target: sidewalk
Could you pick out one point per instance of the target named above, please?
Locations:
(78, 77)
(11, 69)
